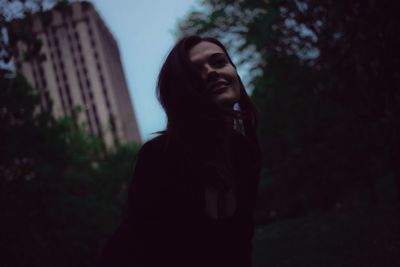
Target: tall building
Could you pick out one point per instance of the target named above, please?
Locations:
(79, 66)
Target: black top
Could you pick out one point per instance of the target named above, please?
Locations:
(167, 224)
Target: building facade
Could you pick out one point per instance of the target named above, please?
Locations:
(79, 66)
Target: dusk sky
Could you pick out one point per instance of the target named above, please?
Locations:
(144, 32)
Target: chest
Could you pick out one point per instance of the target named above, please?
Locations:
(199, 197)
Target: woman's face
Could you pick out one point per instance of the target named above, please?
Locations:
(220, 77)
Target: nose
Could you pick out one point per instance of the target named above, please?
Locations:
(209, 73)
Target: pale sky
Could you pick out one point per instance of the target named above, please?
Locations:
(143, 30)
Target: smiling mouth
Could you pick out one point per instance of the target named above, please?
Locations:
(218, 86)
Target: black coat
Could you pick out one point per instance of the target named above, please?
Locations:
(166, 224)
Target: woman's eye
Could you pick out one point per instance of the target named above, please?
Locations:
(219, 62)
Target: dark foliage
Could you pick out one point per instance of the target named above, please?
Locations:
(326, 82)
(61, 195)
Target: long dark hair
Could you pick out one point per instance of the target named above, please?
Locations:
(193, 120)
(186, 106)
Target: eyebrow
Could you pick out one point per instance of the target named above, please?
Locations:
(216, 54)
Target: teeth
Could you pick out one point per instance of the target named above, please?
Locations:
(218, 85)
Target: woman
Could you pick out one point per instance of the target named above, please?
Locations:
(192, 194)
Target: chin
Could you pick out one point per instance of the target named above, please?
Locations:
(226, 98)
(226, 102)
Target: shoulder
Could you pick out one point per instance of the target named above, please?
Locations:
(150, 154)
(159, 151)
(150, 164)
(155, 146)
(247, 147)
(240, 140)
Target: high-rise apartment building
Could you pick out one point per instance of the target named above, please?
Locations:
(79, 66)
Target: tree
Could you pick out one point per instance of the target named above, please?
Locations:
(325, 77)
(61, 193)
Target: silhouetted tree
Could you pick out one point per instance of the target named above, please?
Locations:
(61, 194)
(326, 81)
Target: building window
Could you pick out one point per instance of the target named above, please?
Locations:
(80, 84)
(62, 100)
(89, 120)
(48, 100)
(69, 95)
(85, 6)
(44, 83)
(96, 117)
(41, 71)
(34, 74)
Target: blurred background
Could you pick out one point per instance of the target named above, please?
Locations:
(77, 101)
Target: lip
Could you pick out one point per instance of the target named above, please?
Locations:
(216, 86)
